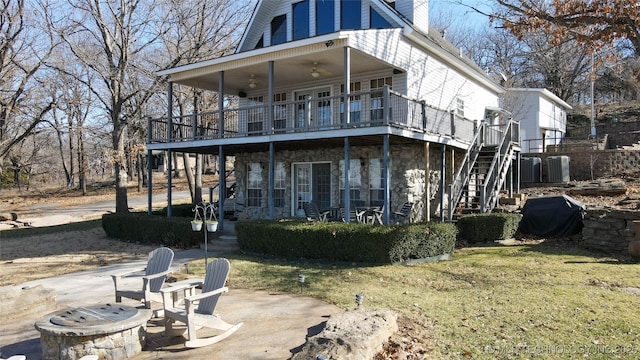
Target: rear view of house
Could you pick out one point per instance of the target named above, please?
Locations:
(341, 102)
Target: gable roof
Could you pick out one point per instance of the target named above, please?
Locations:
(431, 41)
(544, 93)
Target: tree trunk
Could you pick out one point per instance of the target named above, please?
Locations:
(198, 178)
(119, 166)
(190, 180)
(139, 172)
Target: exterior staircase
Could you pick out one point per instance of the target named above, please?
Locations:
(484, 169)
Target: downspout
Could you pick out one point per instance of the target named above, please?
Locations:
(169, 133)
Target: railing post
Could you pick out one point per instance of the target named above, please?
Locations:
(307, 114)
(451, 209)
(385, 105)
(483, 205)
(423, 106)
(194, 126)
(453, 123)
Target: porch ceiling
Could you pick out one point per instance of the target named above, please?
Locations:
(292, 66)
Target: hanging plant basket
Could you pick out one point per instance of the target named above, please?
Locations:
(196, 225)
(212, 225)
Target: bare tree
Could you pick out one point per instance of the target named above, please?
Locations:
(24, 49)
(112, 40)
(201, 30)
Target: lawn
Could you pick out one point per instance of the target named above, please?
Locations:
(549, 300)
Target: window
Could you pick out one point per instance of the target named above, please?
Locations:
(279, 30)
(324, 16)
(323, 104)
(459, 107)
(280, 185)
(279, 112)
(354, 180)
(350, 14)
(255, 114)
(254, 184)
(300, 12)
(260, 43)
(377, 21)
(376, 182)
(377, 99)
(354, 103)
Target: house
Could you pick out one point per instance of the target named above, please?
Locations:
(542, 116)
(347, 102)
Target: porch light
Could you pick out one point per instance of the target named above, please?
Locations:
(314, 72)
(252, 82)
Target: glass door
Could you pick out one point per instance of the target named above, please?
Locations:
(312, 183)
(319, 116)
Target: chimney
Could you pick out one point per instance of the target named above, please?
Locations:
(417, 11)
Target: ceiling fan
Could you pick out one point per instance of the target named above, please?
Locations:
(317, 71)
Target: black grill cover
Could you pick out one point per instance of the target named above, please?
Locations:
(552, 216)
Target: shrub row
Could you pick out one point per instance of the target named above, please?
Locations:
(345, 241)
(488, 227)
(152, 230)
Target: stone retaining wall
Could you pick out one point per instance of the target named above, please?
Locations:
(609, 230)
(597, 163)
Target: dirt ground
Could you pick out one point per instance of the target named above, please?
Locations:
(61, 253)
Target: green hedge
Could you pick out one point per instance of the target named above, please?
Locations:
(152, 230)
(488, 227)
(346, 241)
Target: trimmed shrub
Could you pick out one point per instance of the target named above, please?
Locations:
(152, 230)
(488, 227)
(345, 241)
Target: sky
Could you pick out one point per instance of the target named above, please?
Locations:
(459, 12)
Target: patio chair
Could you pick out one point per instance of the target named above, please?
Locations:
(200, 315)
(154, 276)
(355, 215)
(312, 212)
(404, 214)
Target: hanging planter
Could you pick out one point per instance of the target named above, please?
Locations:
(196, 225)
(212, 225)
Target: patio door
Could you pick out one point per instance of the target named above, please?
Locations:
(320, 113)
(311, 183)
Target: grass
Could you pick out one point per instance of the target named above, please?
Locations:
(549, 300)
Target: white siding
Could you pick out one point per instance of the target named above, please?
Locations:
(427, 77)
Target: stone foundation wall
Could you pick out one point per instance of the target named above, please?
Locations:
(609, 230)
(407, 175)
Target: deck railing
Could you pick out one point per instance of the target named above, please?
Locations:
(381, 107)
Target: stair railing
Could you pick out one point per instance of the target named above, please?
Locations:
(498, 170)
(463, 174)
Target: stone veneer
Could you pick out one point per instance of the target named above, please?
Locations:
(113, 340)
(609, 230)
(407, 175)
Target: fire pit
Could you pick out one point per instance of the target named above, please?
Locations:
(109, 331)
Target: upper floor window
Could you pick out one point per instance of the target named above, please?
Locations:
(377, 21)
(350, 14)
(324, 16)
(279, 30)
(459, 107)
(300, 20)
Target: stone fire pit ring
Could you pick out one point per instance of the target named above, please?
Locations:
(111, 331)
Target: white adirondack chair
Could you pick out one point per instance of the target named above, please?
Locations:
(154, 276)
(199, 315)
